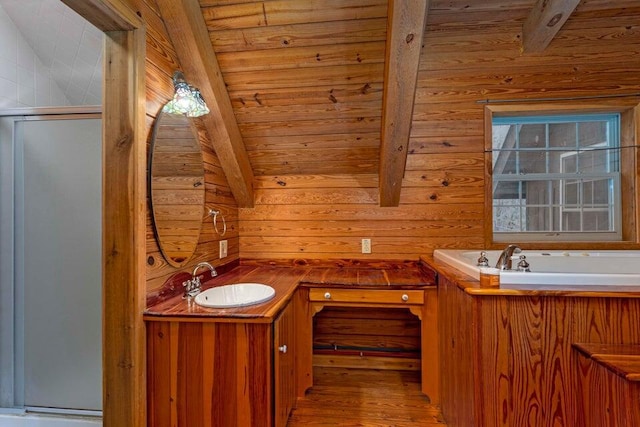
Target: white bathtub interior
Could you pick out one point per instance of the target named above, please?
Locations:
(555, 267)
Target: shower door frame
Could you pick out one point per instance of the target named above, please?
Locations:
(13, 263)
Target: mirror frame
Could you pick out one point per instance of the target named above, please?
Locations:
(161, 238)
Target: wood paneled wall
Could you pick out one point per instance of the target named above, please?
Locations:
(161, 62)
(470, 54)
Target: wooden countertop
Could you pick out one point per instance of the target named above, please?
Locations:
(368, 278)
(285, 281)
(472, 286)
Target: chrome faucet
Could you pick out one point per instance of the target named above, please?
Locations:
(504, 261)
(214, 273)
(192, 286)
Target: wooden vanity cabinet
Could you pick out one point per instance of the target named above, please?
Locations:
(225, 372)
(284, 365)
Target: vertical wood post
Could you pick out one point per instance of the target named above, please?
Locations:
(124, 248)
(124, 205)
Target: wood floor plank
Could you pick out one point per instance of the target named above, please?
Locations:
(365, 397)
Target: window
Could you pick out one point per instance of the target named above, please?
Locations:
(556, 177)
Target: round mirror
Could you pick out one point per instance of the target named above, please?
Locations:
(176, 187)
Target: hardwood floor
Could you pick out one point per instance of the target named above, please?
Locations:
(365, 397)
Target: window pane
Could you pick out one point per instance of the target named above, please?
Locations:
(587, 193)
(601, 191)
(571, 191)
(533, 136)
(506, 216)
(532, 162)
(538, 218)
(562, 135)
(503, 136)
(556, 224)
(506, 190)
(505, 162)
(536, 192)
(592, 133)
(596, 221)
(568, 163)
(594, 161)
(557, 187)
(571, 221)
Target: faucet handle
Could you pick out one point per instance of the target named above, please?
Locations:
(523, 265)
(483, 261)
(191, 287)
(188, 288)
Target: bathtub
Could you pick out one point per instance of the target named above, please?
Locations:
(596, 268)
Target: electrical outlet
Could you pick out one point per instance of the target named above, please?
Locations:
(366, 246)
(223, 248)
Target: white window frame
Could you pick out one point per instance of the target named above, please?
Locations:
(562, 235)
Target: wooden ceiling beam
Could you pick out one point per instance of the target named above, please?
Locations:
(405, 32)
(543, 23)
(188, 33)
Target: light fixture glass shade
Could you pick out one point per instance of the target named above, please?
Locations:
(187, 100)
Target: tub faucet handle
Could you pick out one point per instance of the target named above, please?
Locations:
(483, 261)
(523, 265)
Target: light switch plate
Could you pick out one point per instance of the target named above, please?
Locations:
(223, 248)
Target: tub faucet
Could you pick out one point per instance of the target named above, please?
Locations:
(192, 286)
(504, 261)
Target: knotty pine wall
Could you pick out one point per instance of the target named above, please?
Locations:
(161, 62)
(468, 55)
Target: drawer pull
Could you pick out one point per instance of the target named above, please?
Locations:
(327, 295)
(405, 297)
(282, 348)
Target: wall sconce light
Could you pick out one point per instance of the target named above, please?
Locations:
(187, 100)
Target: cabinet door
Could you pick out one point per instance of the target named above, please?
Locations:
(284, 372)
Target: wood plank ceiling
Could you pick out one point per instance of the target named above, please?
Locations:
(306, 79)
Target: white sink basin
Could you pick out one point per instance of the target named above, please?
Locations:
(236, 295)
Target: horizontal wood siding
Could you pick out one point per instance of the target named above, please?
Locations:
(161, 62)
(315, 160)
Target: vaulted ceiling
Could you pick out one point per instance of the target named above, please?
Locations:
(324, 86)
(316, 87)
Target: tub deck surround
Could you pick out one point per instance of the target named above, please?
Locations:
(507, 354)
(472, 286)
(554, 267)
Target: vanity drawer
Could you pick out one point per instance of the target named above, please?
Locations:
(368, 296)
